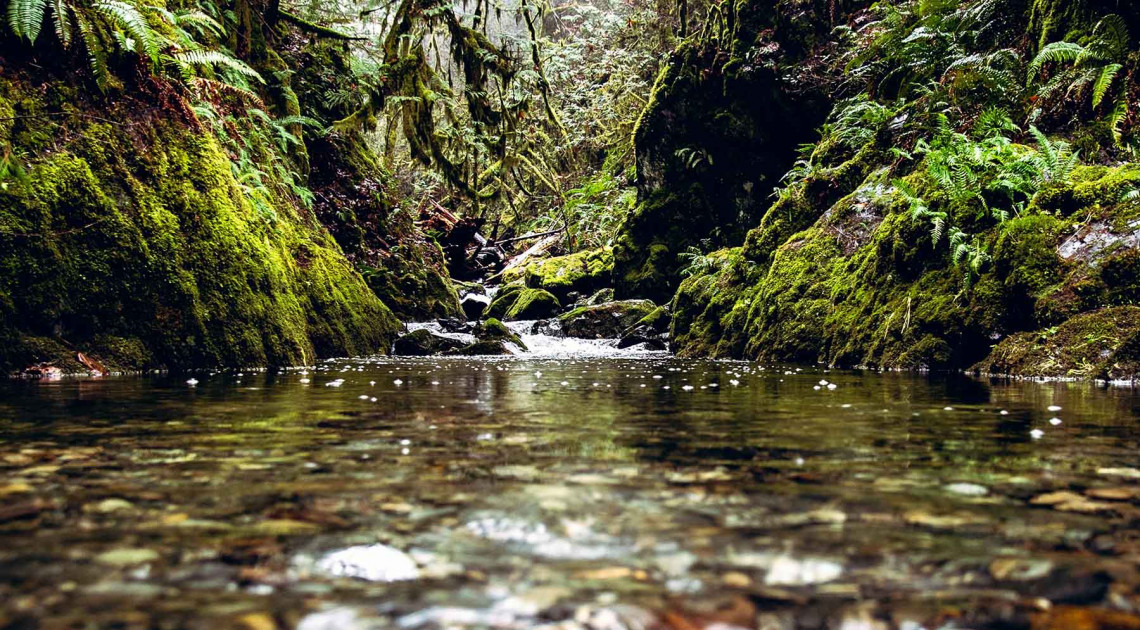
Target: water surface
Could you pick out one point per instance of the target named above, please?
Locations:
(591, 493)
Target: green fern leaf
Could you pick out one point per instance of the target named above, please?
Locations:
(1057, 52)
(25, 17)
(1103, 81)
(217, 58)
(127, 17)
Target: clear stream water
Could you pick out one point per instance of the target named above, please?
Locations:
(580, 492)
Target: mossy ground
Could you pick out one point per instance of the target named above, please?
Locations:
(864, 285)
(133, 241)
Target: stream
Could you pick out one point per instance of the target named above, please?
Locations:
(575, 487)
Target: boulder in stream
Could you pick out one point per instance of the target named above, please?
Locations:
(495, 330)
(423, 342)
(474, 305)
(533, 304)
(605, 321)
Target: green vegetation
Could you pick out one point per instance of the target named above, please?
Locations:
(900, 183)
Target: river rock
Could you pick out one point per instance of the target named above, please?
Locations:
(533, 304)
(495, 330)
(423, 342)
(375, 563)
(482, 348)
(605, 321)
(474, 305)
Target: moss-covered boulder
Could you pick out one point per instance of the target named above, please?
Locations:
(865, 284)
(423, 342)
(495, 330)
(583, 272)
(1104, 343)
(503, 300)
(532, 304)
(142, 233)
(604, 321)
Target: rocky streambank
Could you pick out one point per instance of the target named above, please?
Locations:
(545, 297)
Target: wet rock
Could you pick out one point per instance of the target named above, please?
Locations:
(604, 321)
(107, 506)
(374, 563)
(791, 571)
(494, 330)
(599, 297)
(475, 305)
(126, 557)
(1020, 569)
(967, 489)
(455, 325)
(482, 348)
(533, 304)
(423, 342)
(489, 257)
(533, 602)
(1066, 501)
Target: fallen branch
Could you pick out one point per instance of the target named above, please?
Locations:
(534, 250)
(529, 236)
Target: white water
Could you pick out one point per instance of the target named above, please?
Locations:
(549, 346)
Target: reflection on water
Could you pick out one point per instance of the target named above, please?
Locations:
(588, 493)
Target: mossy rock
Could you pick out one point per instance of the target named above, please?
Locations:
(482, 348)
(657, 320)
(582, 272)
(503, 301)
(1101, 344)
(495, 330)
(141, 232)
(422, 343)
(605, 321)
(533, 304)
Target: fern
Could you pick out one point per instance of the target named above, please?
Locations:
(213, 59)
(1103, 81)
(1056, 52)
(128, 18)
(26, 17)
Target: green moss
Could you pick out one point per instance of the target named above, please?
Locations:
(1092, 188)
(504, 300)
(533, 304)
(1102, 344)
(582, 272)
(607, 320)
(141, 232)
(495, 330)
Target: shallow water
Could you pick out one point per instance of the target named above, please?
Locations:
(600, 493)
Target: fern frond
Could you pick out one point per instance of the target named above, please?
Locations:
(216, 58)
(203, 85)
(96, 54)
(1103, 81)
(25, 17)
(1056, 52)
(128, 18)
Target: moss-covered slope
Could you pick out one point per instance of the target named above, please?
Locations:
(129, 239)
